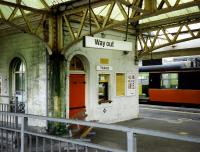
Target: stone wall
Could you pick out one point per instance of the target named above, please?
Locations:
(33, 52)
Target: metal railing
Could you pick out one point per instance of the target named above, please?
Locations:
(12, 104)
(26, 140)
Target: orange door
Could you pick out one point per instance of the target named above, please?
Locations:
(76, 94)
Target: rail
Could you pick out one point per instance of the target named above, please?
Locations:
(27, 140)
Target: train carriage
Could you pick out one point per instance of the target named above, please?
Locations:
(177, 83)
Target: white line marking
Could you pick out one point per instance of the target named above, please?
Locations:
(171, 111)
(177, 121)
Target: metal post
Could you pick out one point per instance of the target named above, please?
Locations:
(126, 36)
(131, 142)
(16, 110)
(90, 21)
(24, 124)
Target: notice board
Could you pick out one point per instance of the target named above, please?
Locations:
(130, 84)
(120, 84)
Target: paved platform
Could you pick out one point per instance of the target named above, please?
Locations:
(174, 108)
(178, 125)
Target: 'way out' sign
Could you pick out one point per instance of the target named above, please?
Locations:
(94, 42)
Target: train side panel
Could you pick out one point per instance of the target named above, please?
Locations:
(175, 96)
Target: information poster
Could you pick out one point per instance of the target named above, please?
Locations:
(130, 84)
(1, 85)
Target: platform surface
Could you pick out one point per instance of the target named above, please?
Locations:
(180, 121)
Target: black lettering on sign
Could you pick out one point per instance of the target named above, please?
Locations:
(104, 43)
(99, 42)
(110, 44)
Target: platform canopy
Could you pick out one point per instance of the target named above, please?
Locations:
(156, 23)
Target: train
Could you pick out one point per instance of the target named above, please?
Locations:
(173, 83)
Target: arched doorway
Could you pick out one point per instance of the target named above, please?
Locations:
(17, 82)
(76, 87)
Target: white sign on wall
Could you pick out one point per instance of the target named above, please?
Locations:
(130, 84)
(104, 68)
(94, 42)
(1, 85)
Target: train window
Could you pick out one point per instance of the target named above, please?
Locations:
(169, 80)
(144, 78)
(120, 84)
(103, 87)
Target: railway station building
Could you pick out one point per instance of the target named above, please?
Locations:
(74, 59)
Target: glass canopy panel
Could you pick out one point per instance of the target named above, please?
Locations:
(172, 2)
(116, 14)
(6, 11)
(190, 10)
(33, 3)
(194, 26)
(103, 10)
(184, 1)
(55, 2)
(30, 3)
(184, 36)
(38, 3)
(126, 10)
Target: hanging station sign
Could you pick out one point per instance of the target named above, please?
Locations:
(94, 42)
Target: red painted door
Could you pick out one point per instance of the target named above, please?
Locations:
(76, 94)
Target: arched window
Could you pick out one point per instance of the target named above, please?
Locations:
(17, 73)
(76, 64)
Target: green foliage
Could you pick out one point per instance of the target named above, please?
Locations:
(57, 128)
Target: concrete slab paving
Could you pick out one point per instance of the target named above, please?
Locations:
(148, 143)
(177, 125)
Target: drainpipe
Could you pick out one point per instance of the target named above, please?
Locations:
(47, 82)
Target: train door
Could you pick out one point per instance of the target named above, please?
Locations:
(76, 88)
(154, 80)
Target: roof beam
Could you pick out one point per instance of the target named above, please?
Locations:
(106, 22)
(166, 10)
(128, 4)
(163, 40)
(45, 4)
(173, 21)
(13, 25)
(38, 11)
(172, 53)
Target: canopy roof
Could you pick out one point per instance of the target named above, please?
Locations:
(7, 9)
(145, 16)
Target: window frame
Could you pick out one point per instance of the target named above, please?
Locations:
(169, 79)
(108, 100)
